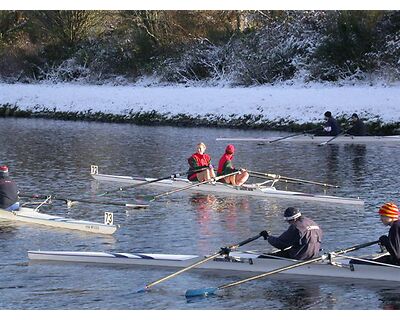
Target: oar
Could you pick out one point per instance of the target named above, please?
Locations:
(277, 177)
(70, 201)
(333, 138)
(292, 135)
(154, 197)
(209, 291)
(224, 250)
(172, 176)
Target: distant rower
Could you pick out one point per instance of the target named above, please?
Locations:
(331, 127)
(358, 128)
(8, 191)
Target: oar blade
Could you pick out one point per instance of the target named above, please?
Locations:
(141, 290)
(204, 292)
(136, 206)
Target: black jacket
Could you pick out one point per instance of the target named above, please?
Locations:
(335, 127)
(358, 129)
(392, 242)
(305, 237)
(8, 193)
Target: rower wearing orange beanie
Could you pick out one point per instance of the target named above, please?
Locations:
(389, 213)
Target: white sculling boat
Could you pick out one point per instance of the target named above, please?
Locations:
(320, 139)
(29, 215)
(336, 266)
(256, 190)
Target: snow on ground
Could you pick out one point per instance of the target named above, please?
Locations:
(298, 103)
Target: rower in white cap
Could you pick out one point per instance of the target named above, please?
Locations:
(8, 191)
(301, 241)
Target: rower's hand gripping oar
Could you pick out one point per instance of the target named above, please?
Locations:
(224, 250)
(213, 290)
(172, 176)
(70, 201)
(155, 197)
(278, 177)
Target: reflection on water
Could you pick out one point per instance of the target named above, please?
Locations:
(357, 155)
(54, 157)
(390, 299)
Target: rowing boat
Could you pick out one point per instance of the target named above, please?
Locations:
(256, 190)
(321, 139)
(30, 215)
(336, 266)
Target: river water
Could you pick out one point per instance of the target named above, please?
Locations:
(54, 157)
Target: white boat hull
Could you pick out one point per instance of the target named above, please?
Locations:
(239, 262)
(248, 190)
(307, 138)
(28, 215)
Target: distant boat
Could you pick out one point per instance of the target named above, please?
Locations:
(29, 215)
(308, 138)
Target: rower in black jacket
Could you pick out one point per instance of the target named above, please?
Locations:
(331, 127)
(302, 240)
(8, 191)
(358, 128)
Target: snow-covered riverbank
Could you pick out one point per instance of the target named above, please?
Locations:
(269, 103)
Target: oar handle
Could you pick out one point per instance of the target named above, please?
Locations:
(360, 246)
(194, 185)
(244, 242)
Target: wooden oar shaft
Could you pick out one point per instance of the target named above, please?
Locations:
(278, 177)
(231, 247)
(194, 185)
(172, 176)
(298, 264)
(183, 270)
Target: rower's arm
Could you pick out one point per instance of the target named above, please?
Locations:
(288, 238)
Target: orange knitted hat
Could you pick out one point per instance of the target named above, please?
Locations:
(390, 210)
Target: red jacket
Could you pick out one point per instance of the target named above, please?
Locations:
(198, 161)
(225, 165)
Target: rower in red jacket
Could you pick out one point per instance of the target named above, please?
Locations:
(200, 160)
(225, 166)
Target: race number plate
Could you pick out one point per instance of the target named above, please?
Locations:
(108, 218)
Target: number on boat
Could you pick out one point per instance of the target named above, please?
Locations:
(94, 169)
(108, 218)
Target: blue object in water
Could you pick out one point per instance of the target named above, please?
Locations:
(13, 207)
(200, 292)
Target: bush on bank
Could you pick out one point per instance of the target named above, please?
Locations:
(247, 121)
